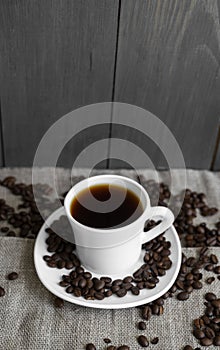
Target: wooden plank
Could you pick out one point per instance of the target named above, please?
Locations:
(1, 142)
(216, 155)
(56, 55)
(168, 63)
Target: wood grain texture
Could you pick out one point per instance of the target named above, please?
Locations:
(56, 55)
(168, 63)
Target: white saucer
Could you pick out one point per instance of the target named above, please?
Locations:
(51, 277)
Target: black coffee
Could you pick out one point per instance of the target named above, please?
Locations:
(101, 206)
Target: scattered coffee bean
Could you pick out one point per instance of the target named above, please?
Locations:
(107, 340)
(58, 302)
(187, 347)
(155, 340)
(90, 346)
(210, 280)
(143, 341)
(13, 276)
(2, 292)
(210, 296)
(206, 341)
(123, 347)
(183, 296)
(142, 325)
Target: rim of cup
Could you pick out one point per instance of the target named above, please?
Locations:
(69, 197)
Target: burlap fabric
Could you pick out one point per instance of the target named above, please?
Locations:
(29, 320)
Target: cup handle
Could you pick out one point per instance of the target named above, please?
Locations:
(167, 219)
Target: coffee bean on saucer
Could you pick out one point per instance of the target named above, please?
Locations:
(155, 340)
(142, 325)
(90, 346)
(58, 302)
(121, 292)
(143, 341)
(2, 292)
(99, 284)
(13, 276)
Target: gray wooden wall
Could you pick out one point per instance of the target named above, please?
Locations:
(163, 55)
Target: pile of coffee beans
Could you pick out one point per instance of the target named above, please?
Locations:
(81, 283)
(27, 219)
(91, 346)
(207, 327)
(193, 203)
(11, 276)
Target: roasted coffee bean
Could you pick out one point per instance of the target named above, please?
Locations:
(108, 293)
(183, 296)
(2, 292)
(87, 275)
(111, 347)
(210, 296)
(217, 270)
(77, 292)
(216, 340)
(46, 258)
(198, 333)
(216, 303)
(69, 265)
(197, 285)
(11, 234)
(143, 341)
(198, 323)
(209, 267)
(187, 347)
(117, 282)
(107, 340)
(61, 264)
(123, 347)
(209, 311)
(115, 289)
(82, 283)
(69, 290)
(213, 259)
(210, 280)
(58, 302)
(155, 309)
(90, 346)
(13, 276)
(98, 284)
(155, 340)
(146, 313)
(135, 290)
(128, 279)
(4, 229)
(99, 296)
(209, 333)
(142, 325)
(121, 292)
(206, 341)
(106, 279)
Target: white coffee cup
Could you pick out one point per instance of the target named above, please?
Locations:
(115, 250)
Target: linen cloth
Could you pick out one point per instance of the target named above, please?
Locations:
(29, 320)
